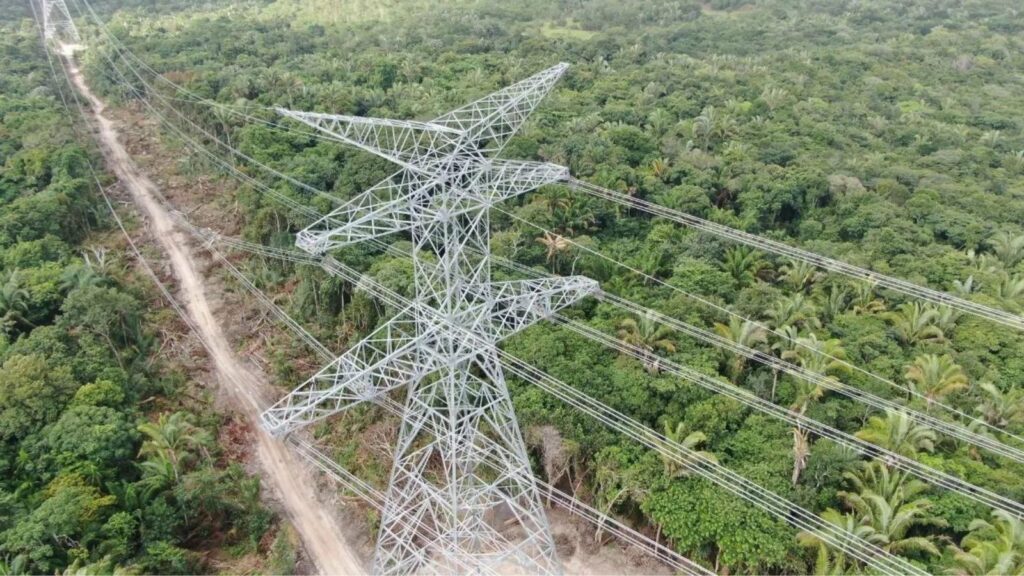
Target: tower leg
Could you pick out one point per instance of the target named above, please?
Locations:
(461, 481)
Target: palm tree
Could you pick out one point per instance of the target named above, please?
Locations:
(97, 258)
(649, 335)
(833, 301)
(800, 275)
(1017, 161)
(787, 341)
(1010, 290)
(891, 522)
(1000, 409)
(174, 439)
(743, 333)
(291, 85)
(79, 276)
(820, 356)
(995, 547)
(884, 512)
(795, 310)
(788, 338)
(224, 117)
(887, 502)
(556, 198)
(1008, 249)
(742, 263)
(570, 215)
(691, 441)
(895, 486)
(14, 302)
(704, 127)
(158, 474)
(659, 168)
(965, 287)
(94, 270)
(806, 393)
(865, 301)
(660, 121)
(578, 217)
(898, 433)
(829, 561)
(825, 357)
(935, 376)
(774, 97)
(982, 263)
(915, 323)
(651, 262)
(556, 245)
(946, 318)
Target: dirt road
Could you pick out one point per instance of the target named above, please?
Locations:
(287, 477)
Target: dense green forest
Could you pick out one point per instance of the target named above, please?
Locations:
(108, 453)
(888, 134)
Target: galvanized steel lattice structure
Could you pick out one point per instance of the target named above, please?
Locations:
(460, 467)
(57, 23)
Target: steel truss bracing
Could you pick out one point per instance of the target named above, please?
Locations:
(460, 466)
(57, 23)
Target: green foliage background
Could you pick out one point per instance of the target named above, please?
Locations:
(885, 134)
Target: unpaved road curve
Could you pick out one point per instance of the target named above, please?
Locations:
(286, 476)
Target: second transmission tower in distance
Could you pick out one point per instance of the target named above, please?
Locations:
(57, 23)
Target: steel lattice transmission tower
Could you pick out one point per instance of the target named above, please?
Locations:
(57, 22)
(460, 467)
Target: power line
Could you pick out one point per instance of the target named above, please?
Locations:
(981, 440)
(825, 382)
(375, 497)
(183, 315)
(305, 449)
(723, 477)
(798, 419)
(94, 173)
(935, 477)
(411, 493)
(783, 336)
(934, 296)
(361, 137)
(56, 21)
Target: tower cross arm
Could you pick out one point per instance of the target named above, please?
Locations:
(517, 304)
(408, 143)
(381, 210)
(492, 120)
(504, 179)
(386, 359)
(387, 207)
